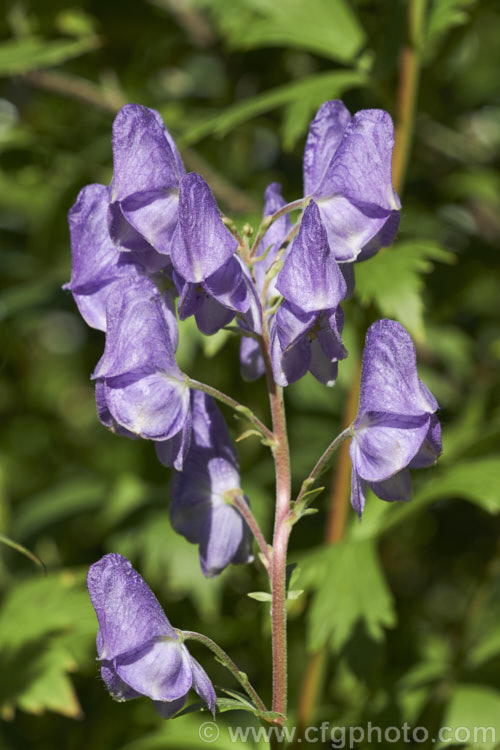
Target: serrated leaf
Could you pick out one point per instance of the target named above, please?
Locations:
(315, 89)
(23, 55)
(36, 651)
(392, 280)
(348, 586)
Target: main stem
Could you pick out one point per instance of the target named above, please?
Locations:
(282, 528)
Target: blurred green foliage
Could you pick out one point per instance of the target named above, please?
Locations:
(237, 84)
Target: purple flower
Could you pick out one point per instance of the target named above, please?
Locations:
(140, 652)
(306, 330)
(199, 509)
(97, 262)
(214, 302)
(347, 170)
(144, 193)
(396, 428)
(140, 387)
(201, 244)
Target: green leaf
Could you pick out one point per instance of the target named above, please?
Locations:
(324, 27)
(60, 502)
(314, 89)
(22, 550)
(392, 280)
(260, 596)
(187, 734)
(473, 714)
(37, 652)
(348, 586)
(444, 15)
(23, 55)
(475, 481)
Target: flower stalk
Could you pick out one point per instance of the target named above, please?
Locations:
(226, 661)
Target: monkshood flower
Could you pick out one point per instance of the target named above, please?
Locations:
(144, 192)
(306, 330)
(396, 428)
(139, 650)
(140, 388)
(97, 262)
(347, 170)
(215, 301)
(201, 492)
(201, 244)
(213, 283)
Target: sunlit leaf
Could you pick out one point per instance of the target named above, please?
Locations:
(348, 585)
(324, 27)
(473, 715)
(314, 89)
(392, 280)
(23, 55)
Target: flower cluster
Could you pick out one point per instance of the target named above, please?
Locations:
(153, 248)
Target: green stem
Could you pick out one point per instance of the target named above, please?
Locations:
(268, 220)
(19, 548)
(323, 462)
(226, 661)
(237, 499)
(236, 406)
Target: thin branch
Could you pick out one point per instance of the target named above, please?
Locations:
(268, 220)
(24, 551)
(242, 506)
(226, 660)
(323, 462)
(236, 406)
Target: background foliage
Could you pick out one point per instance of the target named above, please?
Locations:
(407, 605)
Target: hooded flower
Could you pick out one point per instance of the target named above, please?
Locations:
(306, 330)
(396, 428)
(199, 508)
(140, 652)
(97, 262)
(201, 244)
(144, 193)
(347, 170)
(139, 385)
